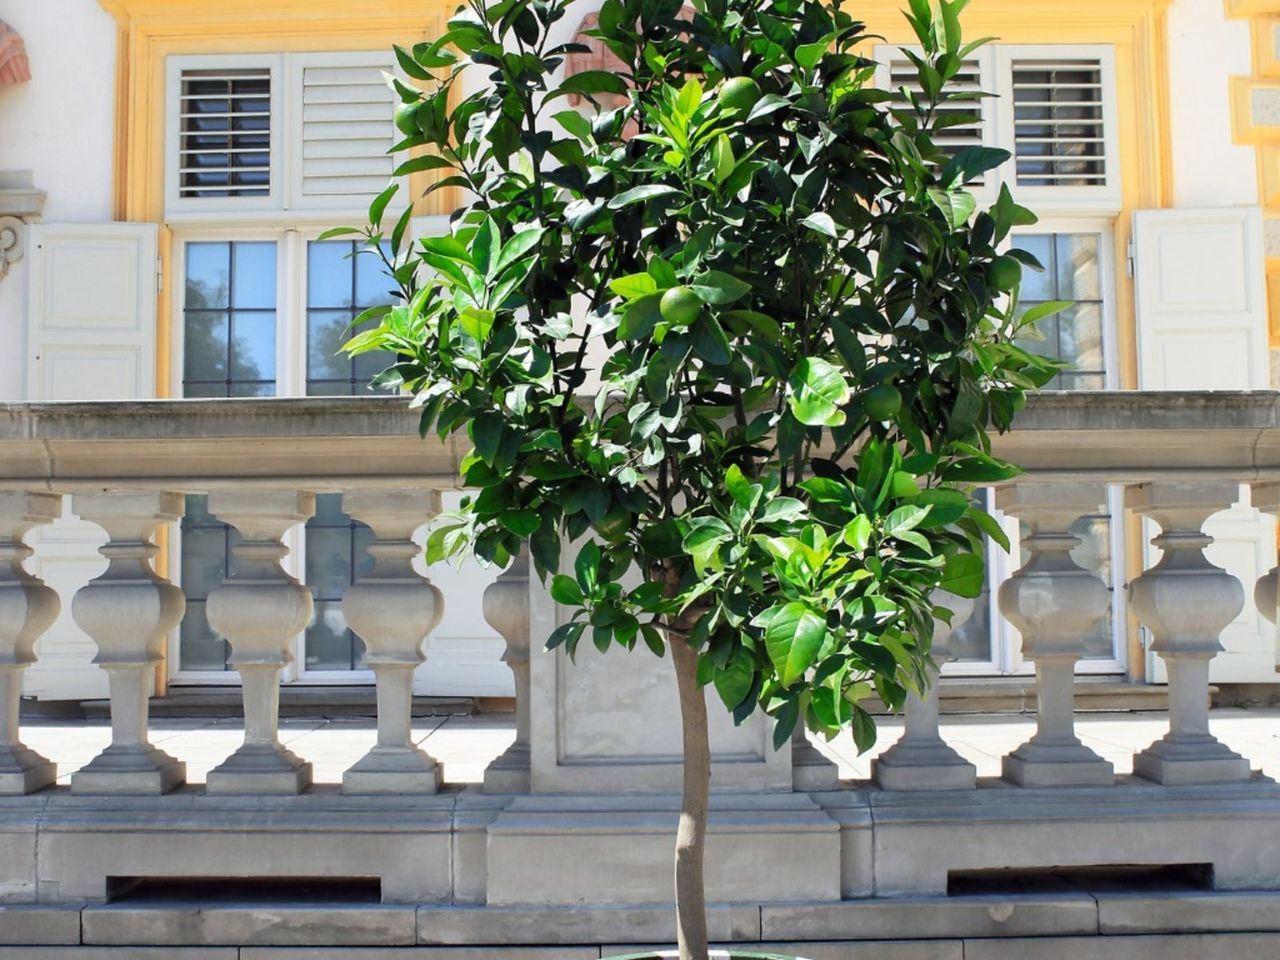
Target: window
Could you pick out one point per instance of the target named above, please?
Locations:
(264, 153)
(1052, 107)
(1072, 273)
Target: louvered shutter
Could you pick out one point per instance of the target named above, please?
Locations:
(223, 133)
(969, 114)
(1059, 127)
(342, 130)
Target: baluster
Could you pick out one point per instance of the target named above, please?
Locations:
(260, 609)
(1186, 602)
(393, 609)
(921, 759)
(128, 611)
(27, 609)
(506, 609)
(1266, 592)
(1053, 602)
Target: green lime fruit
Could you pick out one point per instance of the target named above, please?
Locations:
(680, 306)
(882, 402)
(407, 118)
(1006, 272)
(738, 95)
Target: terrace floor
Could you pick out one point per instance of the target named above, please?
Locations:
(466, 744)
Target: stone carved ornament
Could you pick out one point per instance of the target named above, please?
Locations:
(12, 243)
(15, 68)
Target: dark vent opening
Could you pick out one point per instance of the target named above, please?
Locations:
(212, 890)
(1168, 877)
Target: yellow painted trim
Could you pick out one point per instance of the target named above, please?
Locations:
(1266, 62)
(1264, 18)
(1246, 129)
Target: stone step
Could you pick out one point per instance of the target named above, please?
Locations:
(1101, 925)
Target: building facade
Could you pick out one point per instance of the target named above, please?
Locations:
(166, 167)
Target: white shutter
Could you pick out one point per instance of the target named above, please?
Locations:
(91, 324)
(1202, 325)
(341, 130)
(1201, 299)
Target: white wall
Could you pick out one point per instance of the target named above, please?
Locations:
(60, 126)
(1205, 51)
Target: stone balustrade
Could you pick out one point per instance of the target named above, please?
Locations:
(590, 776)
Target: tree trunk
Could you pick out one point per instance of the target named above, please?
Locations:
(691, 835)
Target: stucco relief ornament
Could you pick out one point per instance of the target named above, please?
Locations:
(15, 68)
(11, 243)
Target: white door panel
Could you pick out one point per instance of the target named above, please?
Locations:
(91, 322)
(1202, 325)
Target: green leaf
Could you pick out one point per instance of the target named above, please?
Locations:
(478, 323)
(736, 679)
(587, 568)
(517, 247)
(710, 341)
(576, 124)
(648, 191)
(857, 533)
(945, 507)
(417, 164)
(964, 575)
(379, 205)
(743, 491)
(409, 65)
(817, 392)
(589, 82)
(565, 590)
(1043, 310)
(793, 635)
(640, 317)
(565, 633)
(338, 232)
(783, 510)
(634, 286)
(956, 205)
(990, 526)
(904, 519)
(718, 288)
(821, 223)
(521, 522)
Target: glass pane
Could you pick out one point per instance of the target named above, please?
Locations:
(197, 511)
(362, 537)
(253, 346)
(199, 647)
(329, 274)
(208, 275)
(1080, 337)
(330, 388)
(1036, 284)
(203, 561)
(324, 337)
(251, 389)
(255, 275)
(205, 346)
(328, 561)
(373, 286)
(328, 642)
(369, 365)
(205, 391)
(1093, 553)
(1079, 272)
(972, 642)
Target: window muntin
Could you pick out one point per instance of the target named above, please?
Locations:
(229, 319)
(341, 284)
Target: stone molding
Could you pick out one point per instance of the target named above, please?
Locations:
(20, 201)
